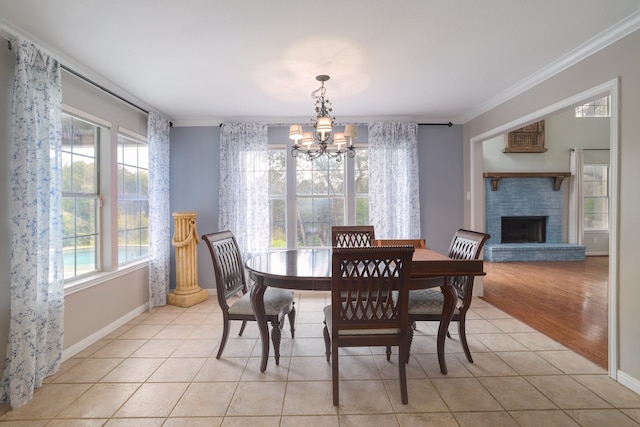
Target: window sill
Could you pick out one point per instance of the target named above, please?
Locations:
(101, 277)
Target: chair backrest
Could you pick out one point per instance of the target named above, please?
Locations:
(370, 289)
(416, 243)
(466, 244)
(227, 264)
(352, 236)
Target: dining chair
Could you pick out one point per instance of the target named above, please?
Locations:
(416, 243)
(369, 298)
(351, 236)
(234, 296)
(427, 304)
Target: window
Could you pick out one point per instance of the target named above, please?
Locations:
(596, 196)
(325, 193)
(596, 108)
(133, 199)
(80, 196)
(278, 198)
(361, 180)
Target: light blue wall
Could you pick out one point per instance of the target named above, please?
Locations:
(441, 184)
(195, 180)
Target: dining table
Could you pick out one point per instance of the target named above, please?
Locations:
(310, 269)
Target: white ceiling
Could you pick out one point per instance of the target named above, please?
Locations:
(204, 61)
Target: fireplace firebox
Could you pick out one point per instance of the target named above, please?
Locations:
(524, 229)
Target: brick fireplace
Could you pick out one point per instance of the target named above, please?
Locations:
(524, 216)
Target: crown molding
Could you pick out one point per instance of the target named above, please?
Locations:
(609, 36)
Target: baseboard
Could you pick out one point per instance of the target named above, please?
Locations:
(98, 335)
(629, 382)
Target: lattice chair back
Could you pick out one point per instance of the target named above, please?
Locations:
(369, 304)
(352, 236)
(367, 288)
(467, 245)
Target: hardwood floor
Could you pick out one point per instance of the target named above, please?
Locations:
(567, 301)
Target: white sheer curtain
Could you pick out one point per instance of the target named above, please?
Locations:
(159, 210)
(34, 347)
(576, 194)
(244, 184)
(394, 201)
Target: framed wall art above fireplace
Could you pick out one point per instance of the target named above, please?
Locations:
(527, 139)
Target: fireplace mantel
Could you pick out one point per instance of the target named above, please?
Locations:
(496, 176)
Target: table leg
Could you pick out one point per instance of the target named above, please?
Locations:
(450, 298)
(257, 302)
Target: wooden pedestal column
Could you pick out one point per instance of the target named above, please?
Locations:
(185, 239)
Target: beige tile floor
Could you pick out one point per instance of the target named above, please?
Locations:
(160, 370)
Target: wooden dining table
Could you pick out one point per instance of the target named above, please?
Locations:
(310, 269)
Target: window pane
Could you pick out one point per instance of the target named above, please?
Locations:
(596, 196)
(362, 187)
(86, 220)
(79, 256)
(277, 172)
(596, 108)
(315, 217)
(362, 211)
(278, 223)
(80, 144)
(133, 201)
(362, 171)
(81, 237)
(277, 182)
(303, 181)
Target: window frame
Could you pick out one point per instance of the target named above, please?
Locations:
(102, 132)
(107, 209)
(138, 197)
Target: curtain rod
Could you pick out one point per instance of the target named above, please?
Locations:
(436, 124)
(591, 149)
(91, 82)
(449, 124)
(102, 88)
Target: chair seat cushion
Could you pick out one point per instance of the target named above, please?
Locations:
(328, 317)
(275, 300)
(426, 301)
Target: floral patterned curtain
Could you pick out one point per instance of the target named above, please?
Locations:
(34, 348)
(159, 210)
(576, 197)
(244, 184)
(394, 199)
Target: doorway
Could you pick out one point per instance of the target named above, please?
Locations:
(476, 194)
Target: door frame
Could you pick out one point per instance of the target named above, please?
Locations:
(477, 207)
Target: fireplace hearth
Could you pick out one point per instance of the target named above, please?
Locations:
(524, 229)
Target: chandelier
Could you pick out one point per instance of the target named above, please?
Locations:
(336, 145)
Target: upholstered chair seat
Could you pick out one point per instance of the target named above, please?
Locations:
(275, 300)
(427, 301)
